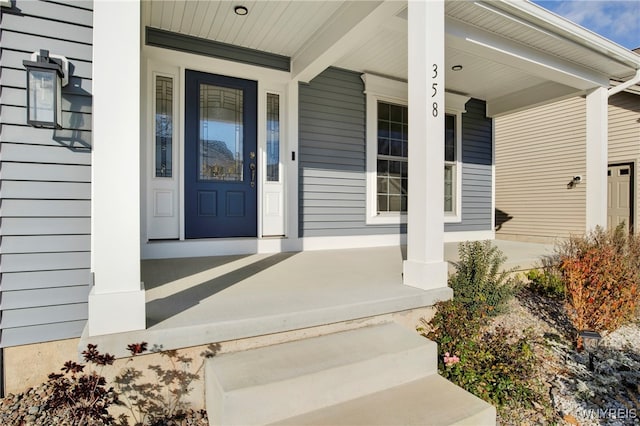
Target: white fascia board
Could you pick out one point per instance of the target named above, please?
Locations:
(345, 30)
(567, 29)
(476, 41)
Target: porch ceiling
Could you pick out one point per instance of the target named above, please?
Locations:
(513, 55)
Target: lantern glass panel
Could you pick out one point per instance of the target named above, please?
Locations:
(42, 96)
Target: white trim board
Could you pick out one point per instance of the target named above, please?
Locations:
(159, 61)
(454, 237)
(217, 247)
(383, 89)
(240, 246)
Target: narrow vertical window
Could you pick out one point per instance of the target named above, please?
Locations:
(273, 137)
(392, 176)
(450, 163)
(164, 126)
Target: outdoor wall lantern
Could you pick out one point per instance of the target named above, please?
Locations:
(46, 75)
(590, 341)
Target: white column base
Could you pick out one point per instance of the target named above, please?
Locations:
(425, 275)
(116, 312)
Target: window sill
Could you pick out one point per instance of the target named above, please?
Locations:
(452, 218)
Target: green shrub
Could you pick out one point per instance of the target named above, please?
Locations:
(601, 271)
(453, 324)
(497, 367)
(479, 282)
(547, 280)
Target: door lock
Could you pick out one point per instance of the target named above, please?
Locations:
(252, 167)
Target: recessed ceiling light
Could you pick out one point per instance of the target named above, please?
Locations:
(456, 68)
(240, 10)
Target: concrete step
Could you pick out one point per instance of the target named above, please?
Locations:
(432, 400)
(273, 383)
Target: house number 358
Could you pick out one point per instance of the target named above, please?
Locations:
(434, 86)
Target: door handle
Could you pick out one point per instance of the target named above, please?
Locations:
(252, 167)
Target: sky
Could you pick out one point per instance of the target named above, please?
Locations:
(617, 20)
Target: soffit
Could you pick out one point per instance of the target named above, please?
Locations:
(280, 27)
(286, 27)
(542, 36)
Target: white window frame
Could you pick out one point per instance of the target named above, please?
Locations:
(455, 215)
(393, 91)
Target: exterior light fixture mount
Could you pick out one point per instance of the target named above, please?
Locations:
(240, 10)
(456, 68)
(46, 75)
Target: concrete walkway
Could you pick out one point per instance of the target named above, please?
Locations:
(520, 255)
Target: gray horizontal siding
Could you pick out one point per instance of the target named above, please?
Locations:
(46, 172)
(12, 60)
(332, 157)
(44, 297)
(476, 170)
(45, 225)
(44, 261)
(45, 279)
(44, 244)
(71, 103)
(60, 313)
(36, 333)
(54, 208)
(72, 12)
(46, 178)
(77, 140)
(332, 148)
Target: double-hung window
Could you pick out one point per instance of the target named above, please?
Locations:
(391, 165)
(450, 164)
(387, 151)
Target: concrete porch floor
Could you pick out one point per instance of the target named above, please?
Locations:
(196, 301)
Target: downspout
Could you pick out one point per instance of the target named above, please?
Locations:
(619, 88)
(1, 373)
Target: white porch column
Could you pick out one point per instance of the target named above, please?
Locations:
(117, 301)
(425, 266)
(597, 142)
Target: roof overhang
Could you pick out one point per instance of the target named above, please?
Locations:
(514, 54)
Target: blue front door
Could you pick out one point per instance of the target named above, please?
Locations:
(221, 175)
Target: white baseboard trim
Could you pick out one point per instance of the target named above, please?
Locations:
(239, 246)
(454, 237)
(349, 242)
(217, 247)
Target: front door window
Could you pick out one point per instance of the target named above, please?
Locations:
(221, 133)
